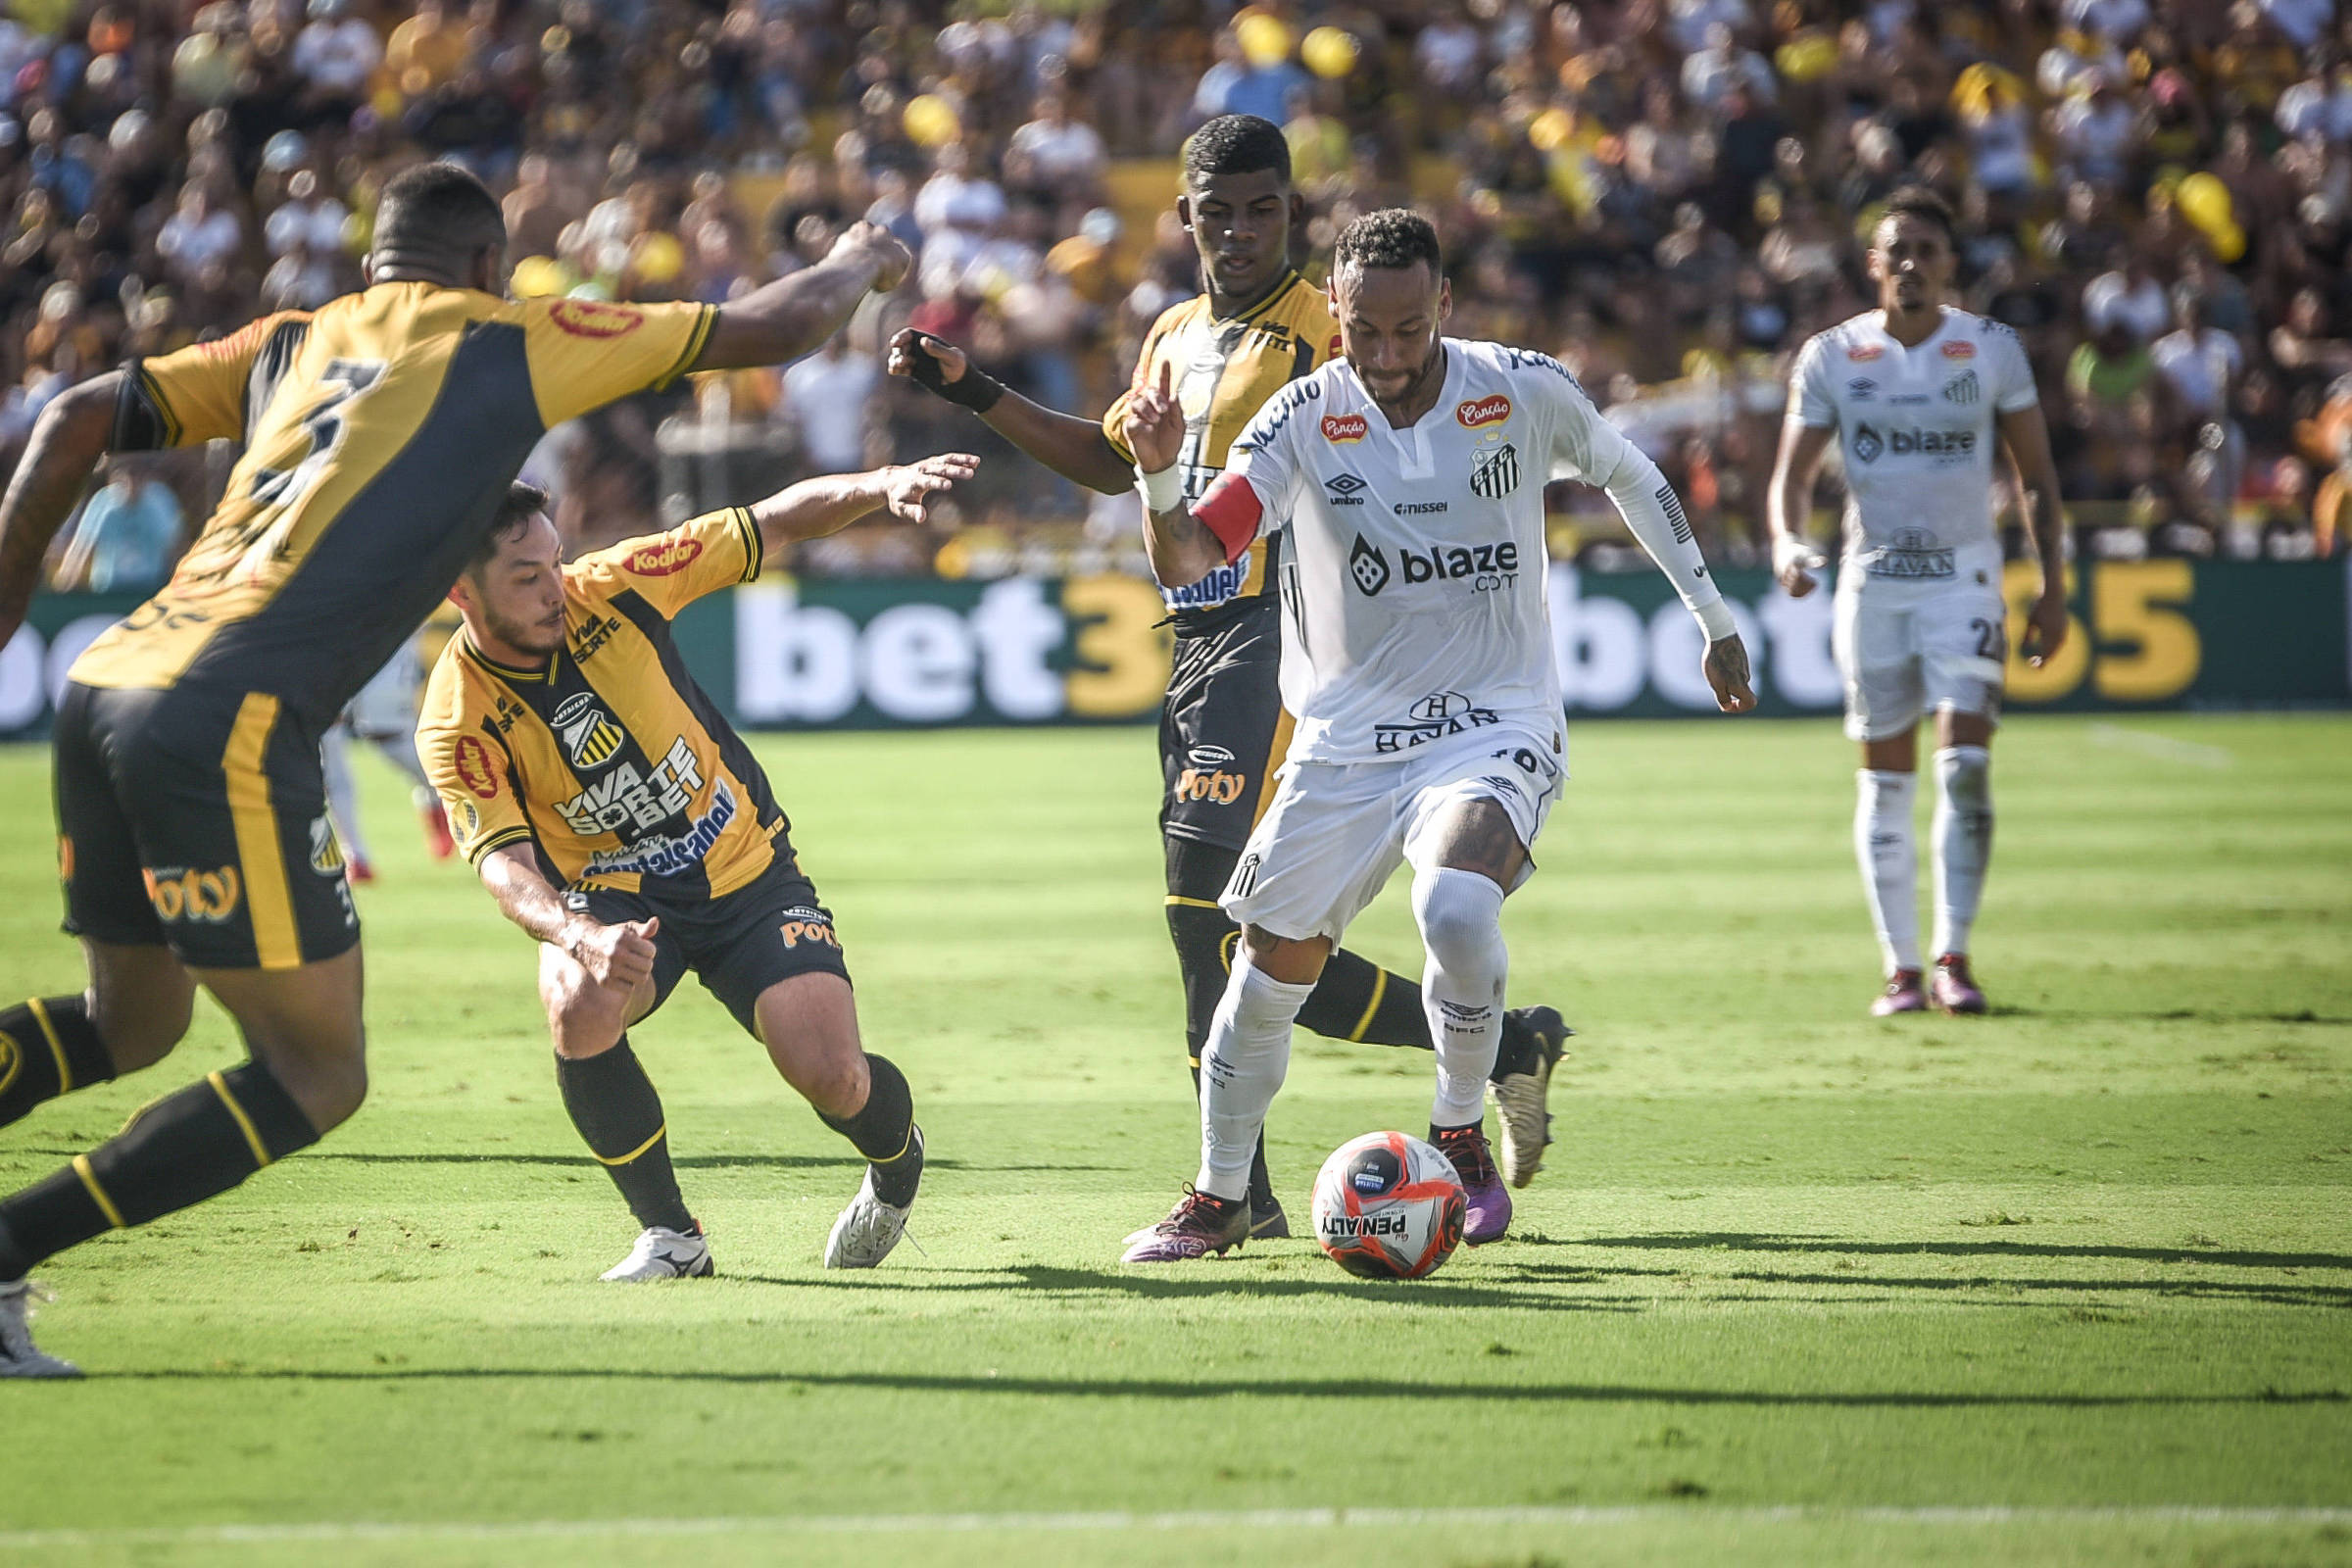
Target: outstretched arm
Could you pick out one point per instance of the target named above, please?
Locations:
(71, 435)
(1788, 503)
(1074, 448)
(814, 508)
(2026, 441)
(1652, 509)
(793, 315)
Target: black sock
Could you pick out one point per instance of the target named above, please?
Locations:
(47, 1049)
(613, 1103)
(884, 1132)
(183, 1149)
(1356, 999)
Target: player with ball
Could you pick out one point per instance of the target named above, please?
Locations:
(1416, 654)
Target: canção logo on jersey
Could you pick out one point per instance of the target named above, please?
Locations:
(590, 738)
(660, 561)
(1868, 445)
(595, 317)
(206, 896)
(1344, 429)
(1477, 413)
(1959, 350)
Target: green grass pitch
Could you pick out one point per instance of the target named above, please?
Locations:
(2071, 1283)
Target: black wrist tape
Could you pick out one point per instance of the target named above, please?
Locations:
(975, 389)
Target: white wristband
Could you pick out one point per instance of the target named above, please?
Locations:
(1715, 618)
(1163, 491)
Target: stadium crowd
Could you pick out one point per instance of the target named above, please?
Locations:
(1666, 194)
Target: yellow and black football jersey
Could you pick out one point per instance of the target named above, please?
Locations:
(611, 761)
(1224, 369)
(381, 431)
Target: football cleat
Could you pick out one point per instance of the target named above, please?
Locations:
(360, 869)
(866, 1231)
(1201, 1223)
(1522, 1094)
(19, 1357)
(1487, 1201)
(1955, 989)
(1267, 1221)
(1902, 995)
(661, 1253)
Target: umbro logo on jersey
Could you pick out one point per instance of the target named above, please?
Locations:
(1962, 388)
(1346, 490)
(1498, 474)
(1368, 566)
(1860, 388)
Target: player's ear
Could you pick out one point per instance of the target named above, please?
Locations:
(1183, 213)
(1298, 208)
(1445, 298)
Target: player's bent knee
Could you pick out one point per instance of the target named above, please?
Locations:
(141, 1001)
(1459, 914)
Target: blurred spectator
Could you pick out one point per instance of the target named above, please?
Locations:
(126, 537)
(336, 55)
(828, 398)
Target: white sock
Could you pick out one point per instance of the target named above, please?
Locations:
(1963, 829)
(1884, 845)
(342, 792)
(1461, 916)
(1242, 1066)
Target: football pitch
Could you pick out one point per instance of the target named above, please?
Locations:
(2071, 1283)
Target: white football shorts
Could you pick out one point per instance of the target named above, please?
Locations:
(1336, 831)
(1905, 652)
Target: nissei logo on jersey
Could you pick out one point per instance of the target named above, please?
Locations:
(1476, 414)
(1868, 445)
(1344, 429)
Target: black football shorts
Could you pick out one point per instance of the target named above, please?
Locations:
(737, 945)
(196, 818)
(1222, 730)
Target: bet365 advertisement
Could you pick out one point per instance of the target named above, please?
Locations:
(872, 653)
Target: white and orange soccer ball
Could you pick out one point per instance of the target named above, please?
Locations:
(1387, 1207)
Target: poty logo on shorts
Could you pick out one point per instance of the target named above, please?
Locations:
(1483, 411)
(805, 922)
(660, 561)
(1343, 429)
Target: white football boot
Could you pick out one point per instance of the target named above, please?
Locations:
(661, 1253)
(18, 1356)
(866, 1231)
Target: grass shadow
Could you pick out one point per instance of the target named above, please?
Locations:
(1765, 1241)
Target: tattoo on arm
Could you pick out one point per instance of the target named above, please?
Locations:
(1729, 658)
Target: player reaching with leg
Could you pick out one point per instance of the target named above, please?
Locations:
(1407, 481)
(614, 816)
(1223, 727)
(1916, 393)
(382, 432)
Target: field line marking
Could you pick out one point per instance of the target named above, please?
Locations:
(2118, 737)
(1123, 1520)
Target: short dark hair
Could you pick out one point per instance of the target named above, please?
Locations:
(521, 503)
(1237, 144)
(1395, 237)
(1925, 205)
(437, 211)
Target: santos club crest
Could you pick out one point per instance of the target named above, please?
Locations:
(1498, 473)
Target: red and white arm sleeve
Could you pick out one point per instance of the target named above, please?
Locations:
(1233, 513)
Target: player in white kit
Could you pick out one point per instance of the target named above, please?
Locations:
(1416, 654)
(1918, 393)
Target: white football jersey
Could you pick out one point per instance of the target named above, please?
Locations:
(1918, 427)
(1412, 589)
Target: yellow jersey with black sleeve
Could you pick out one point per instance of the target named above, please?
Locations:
(381, 431)
(1224, 369)
(609, 760)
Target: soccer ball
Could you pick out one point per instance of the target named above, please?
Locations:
(1387, 1207)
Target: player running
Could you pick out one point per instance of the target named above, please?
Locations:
(1223, 729)
(1416, 652)
(615, 817)
(1917, 392)
(380, 432)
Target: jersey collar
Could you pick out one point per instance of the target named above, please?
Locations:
(1274, 296)
(508, 673)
